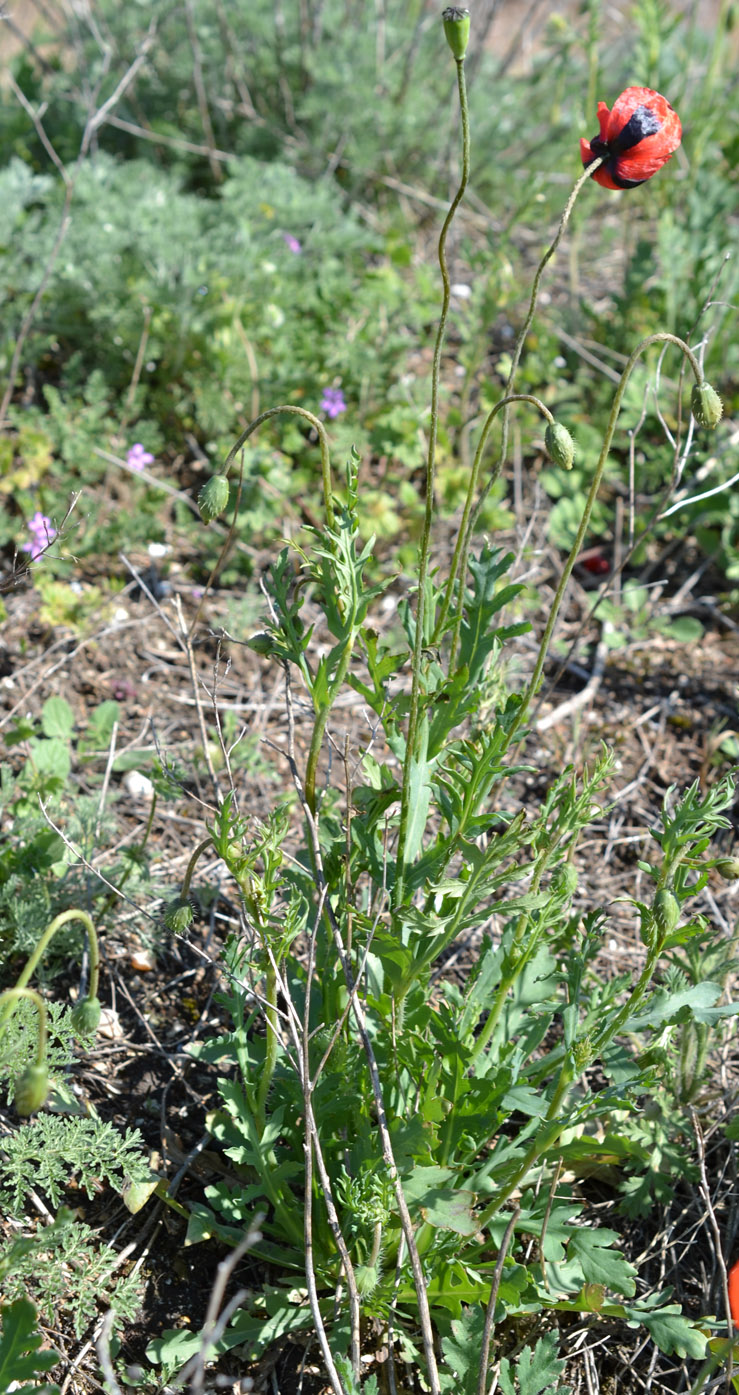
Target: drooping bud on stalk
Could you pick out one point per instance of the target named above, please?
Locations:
(728, 868)
(559, 444)
(213, 498)
(456, 23)
(86, 1017)
(706, 405)
(31, 1090)
(178, 916)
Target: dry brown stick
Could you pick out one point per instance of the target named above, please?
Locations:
(487, 1331)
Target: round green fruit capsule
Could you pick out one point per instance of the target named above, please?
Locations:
(456, 21)
(728, 868)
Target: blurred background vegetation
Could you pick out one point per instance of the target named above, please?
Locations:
(253, 220)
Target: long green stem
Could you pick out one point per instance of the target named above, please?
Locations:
(423, 560)
(317, 424)
(270, 1045)
(48, 935)
(461, 551)
(662, 338)
(469, 519)
(544, 1140)
(319, 726)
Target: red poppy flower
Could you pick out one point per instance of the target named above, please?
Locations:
(637, 137)
(734, 1293)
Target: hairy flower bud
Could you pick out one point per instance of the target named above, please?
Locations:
(213, 498)
(559, 444)
(367, 1277)
(178, 916)
(706, 405)
(456, 23)
(666, 911)
(31, 1090)
(86, 1016)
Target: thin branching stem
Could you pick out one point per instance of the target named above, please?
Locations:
(661, 338)
(424, 551)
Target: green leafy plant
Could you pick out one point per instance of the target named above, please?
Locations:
(404, 1135)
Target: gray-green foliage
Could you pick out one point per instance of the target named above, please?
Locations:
(68, 1273)
(56, 1149)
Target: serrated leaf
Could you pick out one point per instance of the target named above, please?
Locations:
(599, 1262)
(536, 1371)
(695, 1001)
(462, 1352)
(673, 1333)
(20, 1357)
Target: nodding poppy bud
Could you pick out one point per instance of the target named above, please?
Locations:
(456, 23)
(213, 498)
(86, 1017)
(31, 1090)
(178, 916)
(559, 444)
(728, 868)
(706, 405)
(637, 137)
(666, 911)
(367, 1278)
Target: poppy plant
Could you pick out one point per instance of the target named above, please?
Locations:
(637, 137)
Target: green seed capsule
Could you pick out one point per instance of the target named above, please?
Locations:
(213, 498)
(31, 1090)
(86, 1017)
(559, 444)
(666, 911)
(728, 868)
(706, 405)
(456, 23)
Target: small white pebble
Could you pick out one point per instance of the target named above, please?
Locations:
(137, 785)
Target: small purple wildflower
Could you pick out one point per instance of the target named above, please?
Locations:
(292, 244)
(332, 402)
(42, 533)
(138, 458)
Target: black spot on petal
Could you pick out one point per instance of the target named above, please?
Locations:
(642, 123)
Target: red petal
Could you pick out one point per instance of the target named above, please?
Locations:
(734, 1292)
(604, 116)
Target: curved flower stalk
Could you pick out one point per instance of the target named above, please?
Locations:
(704, 389)
(94, 951)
